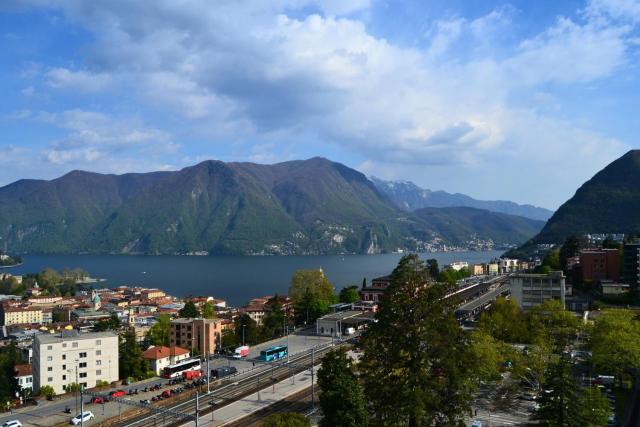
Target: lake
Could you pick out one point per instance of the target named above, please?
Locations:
(235, 279)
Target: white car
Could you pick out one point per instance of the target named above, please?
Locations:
(84, 417)
(12, 423)
(476, 423)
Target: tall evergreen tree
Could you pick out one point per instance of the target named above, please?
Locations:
(417, 362)
(131, 362)
(341, 397)
(559, 393)
(189, 310)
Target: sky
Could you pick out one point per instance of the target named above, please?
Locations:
(521, 100)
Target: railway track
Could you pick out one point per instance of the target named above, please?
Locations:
(299, 402)
(228, 393)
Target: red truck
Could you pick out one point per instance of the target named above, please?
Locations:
(189, 375)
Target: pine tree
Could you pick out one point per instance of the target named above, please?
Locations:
(341, 399)
(417, 362)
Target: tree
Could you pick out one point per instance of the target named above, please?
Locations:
(591, 409)
(113, 323)
(247, 328)
(131, 362)
(560, 391)
(275, 320)
(159, 333)
(552, 259)
(9, 357)
(286, 419)
(189, 310)
(417, 363)
(570, 248)
(486, 352)
(208, 311)
(311, 293)
(341, 397)
(434, 270)
(550, 321)
(47, 391)
(349, 295)
(229, 338)
(615, 342)
(505, 321)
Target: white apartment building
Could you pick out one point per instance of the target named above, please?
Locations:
(59, 358)
(529, 290)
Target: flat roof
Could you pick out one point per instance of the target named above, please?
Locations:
(342, 315)
(57, 338)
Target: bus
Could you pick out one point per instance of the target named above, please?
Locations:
(274, 353)
(178, 369)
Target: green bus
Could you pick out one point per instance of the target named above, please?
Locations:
(274, 353)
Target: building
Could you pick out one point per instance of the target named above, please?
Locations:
(529, 290)
(507, 265)
(459, 265)
(493, 269)
(24, 376)
(631, 263)
(12, 315)
(336, 324)
(601, 264)
(375, 291)
(61, 358)
(477, 270)
(195, 334)
(613, 289)
(160, 357)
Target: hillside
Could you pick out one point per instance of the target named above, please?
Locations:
(312, 206)
(458, 223)
(607, 203)
(408, 196)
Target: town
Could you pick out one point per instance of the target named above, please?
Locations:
(128, 355)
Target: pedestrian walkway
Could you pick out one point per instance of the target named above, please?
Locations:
(256, 401)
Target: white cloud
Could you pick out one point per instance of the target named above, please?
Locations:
(257, 68)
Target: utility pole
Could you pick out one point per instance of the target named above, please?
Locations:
(197, 409)
(243, 325)
(81, 408)
(77, 385)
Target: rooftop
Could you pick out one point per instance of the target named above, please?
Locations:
(70, 336)
(22, 370)
(162, 352)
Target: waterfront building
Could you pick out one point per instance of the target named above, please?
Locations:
(375, 291)
(61, 358)
(195, 334)
(19, 315)
(529, 290)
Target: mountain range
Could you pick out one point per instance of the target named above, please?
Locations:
(607, 203)
(408, 196)
(310, 206)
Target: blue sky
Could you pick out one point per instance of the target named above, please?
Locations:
(520, 100)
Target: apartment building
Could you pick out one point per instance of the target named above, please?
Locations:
(529, 290)
(59, 359)
(195, 334)
(10, 315)
(601, 264)
(631, 263)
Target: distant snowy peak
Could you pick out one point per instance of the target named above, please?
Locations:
(408, 196)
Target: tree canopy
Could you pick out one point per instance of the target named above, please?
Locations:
(311, 293)
(286, 419)
(189, 310)
(158, 334)
(349, 295)
(341, 397)
(417, 364)
(131, 362)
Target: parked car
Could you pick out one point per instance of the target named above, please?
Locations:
(118, 393)
(97, 399)
(83, 417)
(12, 423)
(166, 393)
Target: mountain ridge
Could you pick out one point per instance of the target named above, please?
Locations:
(312, 206)
(408, 196)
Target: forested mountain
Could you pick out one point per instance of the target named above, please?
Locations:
(312, 206)
(408, 196)
(607, 203)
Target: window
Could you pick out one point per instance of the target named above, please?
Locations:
(98, 372)
(29, 380)
(64, 378)
(49, 358)
(83, 354)
(64, 367)
(83, 375)
(98, 352)
(98, 362)
(50, 380)
(98, 342)
(49, 369)
(64, 357)
(74, 344)
(49, 347)
(83, 365)
(64, 345)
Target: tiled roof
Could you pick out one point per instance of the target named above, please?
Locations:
(162, 352)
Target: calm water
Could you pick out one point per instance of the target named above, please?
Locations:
(235, 279)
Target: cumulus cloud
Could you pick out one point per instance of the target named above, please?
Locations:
(309, 67)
